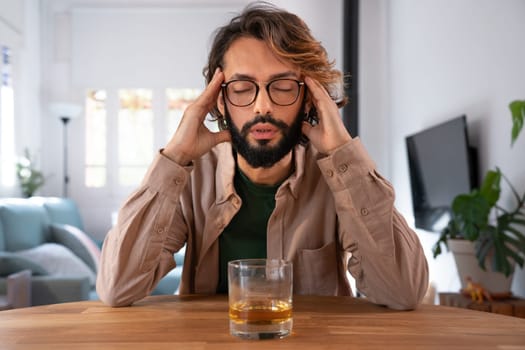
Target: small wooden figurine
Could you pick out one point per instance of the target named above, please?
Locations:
(476, 291)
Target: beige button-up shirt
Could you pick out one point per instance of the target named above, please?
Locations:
(334, 214)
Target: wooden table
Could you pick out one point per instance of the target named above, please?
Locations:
(201, 322)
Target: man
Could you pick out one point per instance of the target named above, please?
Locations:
(282, 179)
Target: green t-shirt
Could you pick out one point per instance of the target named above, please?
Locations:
(245, 235)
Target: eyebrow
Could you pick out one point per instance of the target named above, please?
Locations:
(288, 74)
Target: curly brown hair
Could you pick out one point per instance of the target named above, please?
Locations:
(288, 36)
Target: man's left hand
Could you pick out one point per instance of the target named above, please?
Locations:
(330, 132)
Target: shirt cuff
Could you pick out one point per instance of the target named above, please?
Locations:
(345, 163)
(167, 177)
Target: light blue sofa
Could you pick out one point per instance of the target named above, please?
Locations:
(46, 235)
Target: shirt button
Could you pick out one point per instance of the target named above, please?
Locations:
(364, 211)
(160, 230)
(343, 168)
(330, 173)
(177, 181)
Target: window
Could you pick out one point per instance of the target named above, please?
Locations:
(135, 135)
(178, 100)
(7, 121)
(125, 145)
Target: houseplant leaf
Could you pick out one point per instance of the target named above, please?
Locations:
(484, 245)
(471, 213)
(502, 254)
(491, 188)
(512, 247)
(29, 177)
(451, 231)
(517, 109)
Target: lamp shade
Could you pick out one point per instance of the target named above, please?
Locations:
(67, 110)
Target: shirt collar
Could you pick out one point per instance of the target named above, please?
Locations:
(225, 172)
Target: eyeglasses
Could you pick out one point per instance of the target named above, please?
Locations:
(282, 92)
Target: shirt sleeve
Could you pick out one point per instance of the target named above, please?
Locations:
(387, 260)
(139, 250)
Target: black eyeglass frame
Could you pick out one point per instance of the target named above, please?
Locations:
(224, 87)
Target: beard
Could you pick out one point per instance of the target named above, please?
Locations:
(263, 154)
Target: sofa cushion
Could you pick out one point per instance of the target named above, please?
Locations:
(59, 261)
(62, 211)
(2, 237)
(78, 242)
(12, 263)
(25, 225)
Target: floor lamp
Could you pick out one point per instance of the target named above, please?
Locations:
(65, 112)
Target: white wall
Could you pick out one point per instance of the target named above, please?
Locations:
(442, 59)
(11, 22)
(374, 98)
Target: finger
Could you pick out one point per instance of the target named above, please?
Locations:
(210, 93)
(318, 92)
(217, 79)
(320, 98)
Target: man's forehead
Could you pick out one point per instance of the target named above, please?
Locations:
(281, 75)
(254, 59)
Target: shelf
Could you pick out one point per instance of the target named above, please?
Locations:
(509, 306)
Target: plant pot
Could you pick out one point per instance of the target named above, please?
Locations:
(495, 283)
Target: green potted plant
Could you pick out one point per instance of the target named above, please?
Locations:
(29, 177)
(497, 234)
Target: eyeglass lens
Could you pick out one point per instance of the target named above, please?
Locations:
(282, 92)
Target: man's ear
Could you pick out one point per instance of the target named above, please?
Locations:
(308, 103)
(220, 103)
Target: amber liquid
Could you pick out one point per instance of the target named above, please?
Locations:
(261, 312)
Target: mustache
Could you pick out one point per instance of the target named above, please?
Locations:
(267, 118)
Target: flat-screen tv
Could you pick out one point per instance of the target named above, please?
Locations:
(442, 165)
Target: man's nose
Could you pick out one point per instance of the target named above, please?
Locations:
(263, 104)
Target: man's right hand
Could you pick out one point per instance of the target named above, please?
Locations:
(192, 138)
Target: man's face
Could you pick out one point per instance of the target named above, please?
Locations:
(262, 132)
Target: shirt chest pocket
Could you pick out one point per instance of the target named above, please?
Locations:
(315, 271)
